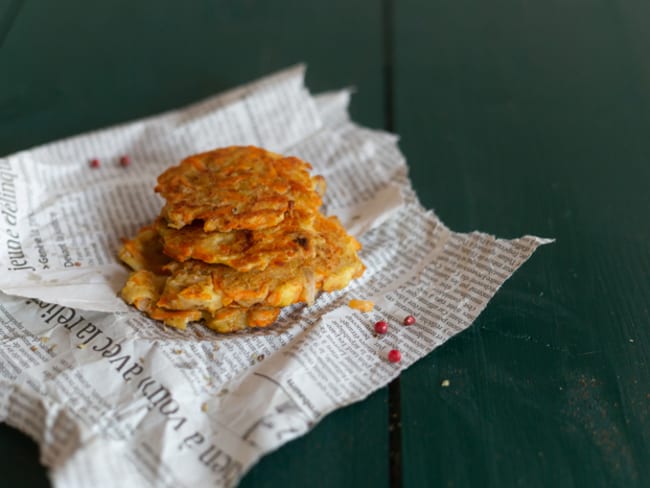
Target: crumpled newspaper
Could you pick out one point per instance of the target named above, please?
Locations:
(114, 398)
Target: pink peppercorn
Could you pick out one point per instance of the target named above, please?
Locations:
(94, 163)
(394, 356)
(409, 320)
(381, 327)
(125, 161)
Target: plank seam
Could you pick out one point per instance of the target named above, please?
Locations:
(394, 402)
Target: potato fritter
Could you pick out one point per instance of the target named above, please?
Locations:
(240, 237)
(144, 252)
(243, 250)
(143, 290)
(195, 285)
(238, 187)
(335, 264)
(232, 319)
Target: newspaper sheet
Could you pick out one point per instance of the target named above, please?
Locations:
(114, 398)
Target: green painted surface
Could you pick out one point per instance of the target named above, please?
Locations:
(515, 117)
(533, 117)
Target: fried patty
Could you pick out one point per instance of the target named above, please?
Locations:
(207, 289)
(238, 187)
(243, 250)
(144, 252)
(240, 237)
(143, 291)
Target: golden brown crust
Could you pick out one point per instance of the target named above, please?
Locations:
(335, 264)
(238, 187)
(198, 286)
(144, 251)
(243, 250)
(240, 238)
(143, 290)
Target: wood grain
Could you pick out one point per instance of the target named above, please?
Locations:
(533, 118)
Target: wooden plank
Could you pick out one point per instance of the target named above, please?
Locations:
(532, 117)
(72, 66)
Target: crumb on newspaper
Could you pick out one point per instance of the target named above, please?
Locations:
(361, 305)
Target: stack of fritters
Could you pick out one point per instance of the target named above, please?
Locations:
(240, 236)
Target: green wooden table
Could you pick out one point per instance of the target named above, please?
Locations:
(515, 117)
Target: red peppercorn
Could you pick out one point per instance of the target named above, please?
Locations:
(381, 327)
(409, 320)
(94, 163)
(125, 161)
(394, 356)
